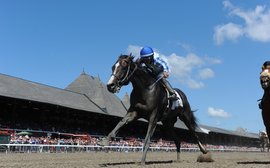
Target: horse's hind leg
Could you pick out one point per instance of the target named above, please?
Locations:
(187, 120)
(170, 132)
(186, 115)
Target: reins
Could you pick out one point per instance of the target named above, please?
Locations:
(151, 86)
(128, 74)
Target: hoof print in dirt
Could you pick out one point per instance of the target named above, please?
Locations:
(205, 158)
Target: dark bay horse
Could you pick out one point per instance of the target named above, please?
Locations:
(265, 101)
(148, 100)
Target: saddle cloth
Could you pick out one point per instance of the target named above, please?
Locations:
(176, 103)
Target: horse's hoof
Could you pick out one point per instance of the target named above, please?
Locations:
(141, 163)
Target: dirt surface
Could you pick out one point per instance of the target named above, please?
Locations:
(130, 160)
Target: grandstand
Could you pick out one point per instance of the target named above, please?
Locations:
(86, 107)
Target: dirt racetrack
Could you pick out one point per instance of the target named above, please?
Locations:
(130, 160)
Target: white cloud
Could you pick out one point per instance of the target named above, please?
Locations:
(255, 26)
(206, 73)
(213, 60)
(134, 50)
(189, 70)
(185, 46)
(182, 66)
(229, 31)
(220, 113)
(194, 84)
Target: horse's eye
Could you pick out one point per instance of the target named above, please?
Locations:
(124, 63)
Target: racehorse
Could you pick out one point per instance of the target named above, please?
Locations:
(264, 141)
(265, 105)
(148, 100)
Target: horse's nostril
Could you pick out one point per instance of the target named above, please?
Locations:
(110, 86)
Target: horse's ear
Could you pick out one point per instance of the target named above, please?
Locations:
(130, 57)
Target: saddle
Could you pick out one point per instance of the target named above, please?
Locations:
(174, 104)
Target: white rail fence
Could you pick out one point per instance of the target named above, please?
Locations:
(37, 148)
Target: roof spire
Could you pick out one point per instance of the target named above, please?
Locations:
(83, 72)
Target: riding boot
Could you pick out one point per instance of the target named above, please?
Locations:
(172, 93)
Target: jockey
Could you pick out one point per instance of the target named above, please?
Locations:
(158, 67)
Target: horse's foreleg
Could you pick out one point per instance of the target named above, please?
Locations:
(151, 129)
(130, 116)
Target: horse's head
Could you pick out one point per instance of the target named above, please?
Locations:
(122, 70)
(265, 78)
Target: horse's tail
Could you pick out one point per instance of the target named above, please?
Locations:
(187, 109)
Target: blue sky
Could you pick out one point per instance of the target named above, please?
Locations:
(215, 48)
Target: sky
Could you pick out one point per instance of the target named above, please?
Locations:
(215, 48)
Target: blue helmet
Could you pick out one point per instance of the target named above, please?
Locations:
(146, 52)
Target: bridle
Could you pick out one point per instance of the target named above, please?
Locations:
(120, 82)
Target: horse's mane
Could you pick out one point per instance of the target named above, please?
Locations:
(124, 56)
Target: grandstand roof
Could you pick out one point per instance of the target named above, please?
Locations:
(95, 90)
(28, 90)
(228, 132)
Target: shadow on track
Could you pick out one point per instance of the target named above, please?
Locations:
(135, 163)
(254, 162)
